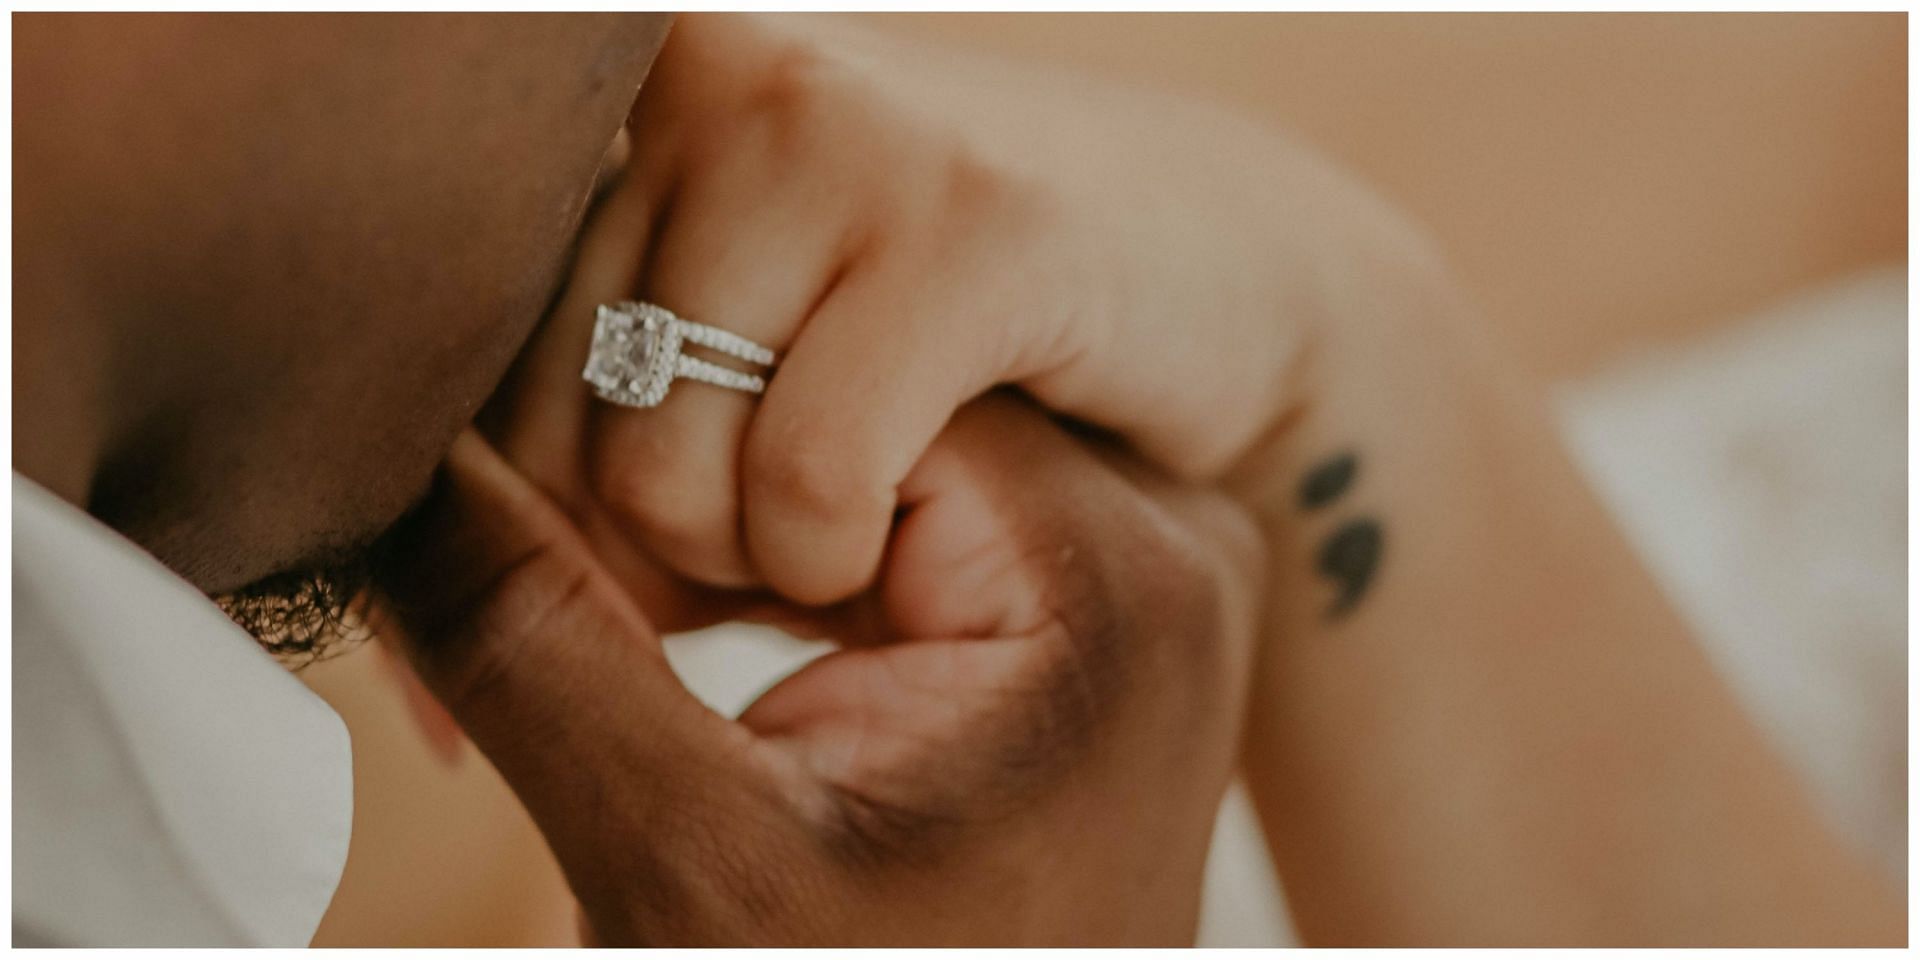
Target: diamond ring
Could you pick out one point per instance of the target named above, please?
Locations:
(636, 355)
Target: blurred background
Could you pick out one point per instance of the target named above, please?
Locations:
(1692, 226)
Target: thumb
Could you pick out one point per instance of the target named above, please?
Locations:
(554, 674)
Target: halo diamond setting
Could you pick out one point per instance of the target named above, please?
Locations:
(636, 354)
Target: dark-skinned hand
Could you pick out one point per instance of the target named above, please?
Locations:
(1023, 739)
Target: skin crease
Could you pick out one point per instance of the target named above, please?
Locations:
(1050, 632)
(233, 447)
(1489, 618)
(396, 195)
(256, 300)
(992, 251)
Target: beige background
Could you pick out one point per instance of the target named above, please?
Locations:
(1600, 180)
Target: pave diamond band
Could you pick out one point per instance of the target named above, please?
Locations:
(727, 342)
(694, 368)
(637, 354)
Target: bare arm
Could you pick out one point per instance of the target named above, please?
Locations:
(1476, 720)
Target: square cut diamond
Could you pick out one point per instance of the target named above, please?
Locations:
(628, 362)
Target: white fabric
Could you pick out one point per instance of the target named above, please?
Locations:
(1762, 473)
(172, 784)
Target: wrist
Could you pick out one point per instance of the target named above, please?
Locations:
(1389, 334)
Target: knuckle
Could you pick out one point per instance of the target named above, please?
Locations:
(794, 75)
(1072, 696)
(792, 103)
(971, 182)
(807, 477)
(977, 190)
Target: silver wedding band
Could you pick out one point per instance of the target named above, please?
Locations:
(637, 353)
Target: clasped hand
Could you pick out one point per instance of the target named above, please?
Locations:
(1044, 644)
(1022, 740)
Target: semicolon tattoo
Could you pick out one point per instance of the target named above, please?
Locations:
(1351, 555)
(1349, 558)
(1326, 482)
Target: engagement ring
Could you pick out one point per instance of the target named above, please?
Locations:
(636, 355)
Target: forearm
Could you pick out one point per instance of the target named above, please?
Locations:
(1476, 720)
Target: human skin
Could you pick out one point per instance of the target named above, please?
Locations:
(1479, 676)
(266, 267)
(1051, 633)
(1604, 183)
(770, 220)
(1501, 734)
(910, 228)
(1796, 177)
(80, 442)
(396, 197)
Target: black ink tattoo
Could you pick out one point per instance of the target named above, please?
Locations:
(1349, 558)
(1326, 482)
